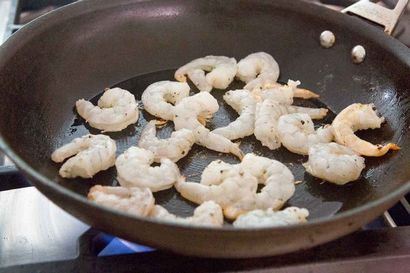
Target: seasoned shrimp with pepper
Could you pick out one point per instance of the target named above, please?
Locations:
(297, 133)
(134, 170)
(159, 98)
(175, 147)
(267, 115)
(89, 155)
(207, 214)
(221, 70)
(334, 163)
(135, 201)
(234, 187)
(272, 218)
(116, 110)
(257, 69)
(192, 112)
(243, 102)
(355, 117)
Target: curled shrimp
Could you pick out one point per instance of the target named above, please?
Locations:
(243, 102)
(355, 117)
(277, 178)
(235, 193)
(267, 115)
(116, 110)
(334, 163)
(201, 107)
(297, 133)
(217, 171)
(221, 70)
(134, 170)
(134, 201)
(234, 187)
(91, 154)
(207, 214)
(175, 147)
(159, 98)
(271, 218)
(257, 69)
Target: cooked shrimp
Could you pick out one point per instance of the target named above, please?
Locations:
(257, 69)
(159, 98)
(116, 110)
(135, 201)
(279, 93)
(93, 153)
(207, 214)
(235, 193)
(355, 117)
(283, 93)
(201, 107)
(335, 163)
(217, 171)
(271, 218)
(297, 133)
(277, 178)
(267, 115)
(243, 102)
(314, 113)
(266, 121)
(134, 170)
(175, 147)
(221, 70)
(234, 187)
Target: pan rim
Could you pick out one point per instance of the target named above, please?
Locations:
(78, 8)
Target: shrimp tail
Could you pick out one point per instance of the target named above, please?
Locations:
(305, 94)
(383, 149)
(235, 150)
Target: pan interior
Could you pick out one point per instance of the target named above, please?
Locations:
(44, 72)
(321, 198)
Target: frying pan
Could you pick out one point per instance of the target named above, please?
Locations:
(83, 48)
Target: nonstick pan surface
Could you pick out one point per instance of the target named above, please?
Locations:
(79, 50)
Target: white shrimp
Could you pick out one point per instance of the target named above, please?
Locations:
(271, 218)
(93, 153)
(355, 117)
(235, 191)
(243, 102)
(207, 214)
(222, 71)
(201, 107)
(335, 163)
(277, 178)
(256, 69)
(116, 110)
(134, 170)
(266, 121)
(314, 113)
(283, 93)
(279, 93)
(234, 187)
(135, 201)
(217, 171)
(297, 133)
(159, 98)
(267, 115)
(175, 147)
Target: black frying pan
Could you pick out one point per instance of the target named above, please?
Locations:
(83, 48)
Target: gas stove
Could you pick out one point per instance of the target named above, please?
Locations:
(37, 236)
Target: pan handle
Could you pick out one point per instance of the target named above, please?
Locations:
(378, 14)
